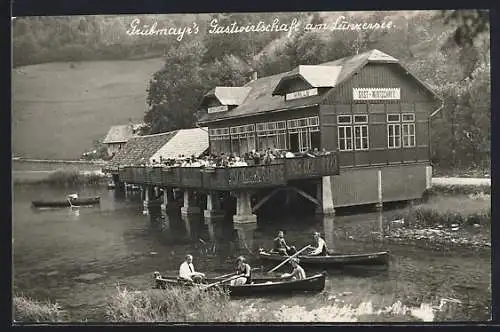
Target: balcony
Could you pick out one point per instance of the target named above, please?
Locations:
(233, 178)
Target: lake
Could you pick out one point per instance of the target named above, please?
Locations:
(78, 257)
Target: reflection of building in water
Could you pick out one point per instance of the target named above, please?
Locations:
(191, 224)
(380, 219)
(211, 229)
(246, 235)
(329, 231)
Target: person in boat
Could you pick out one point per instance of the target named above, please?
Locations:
(321, 249)
(244, 269)
(73, 196)
(187, 272)
(297, 273)
(281, 247)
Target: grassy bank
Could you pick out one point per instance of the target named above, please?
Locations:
(445, 222)
(189, 306)
(28, 310)
(64, 178)
(454, 190)
(458, 210)
(171, 305)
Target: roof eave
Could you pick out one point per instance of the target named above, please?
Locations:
(206, 121)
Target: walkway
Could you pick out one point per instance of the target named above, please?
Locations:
(462, 181)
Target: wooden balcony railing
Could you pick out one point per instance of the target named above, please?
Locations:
(232, 178)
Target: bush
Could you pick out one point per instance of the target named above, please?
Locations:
(461, 210)
(171, 305)
(27, 310)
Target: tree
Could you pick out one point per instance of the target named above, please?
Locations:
(175, 91)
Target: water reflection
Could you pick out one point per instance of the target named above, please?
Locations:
(329, 231)
(211, 230)
(74, 213)
(246, 236)
(121, 241)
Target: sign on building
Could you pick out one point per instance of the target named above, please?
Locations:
(215, 109)
(376, 93)
(301, 94)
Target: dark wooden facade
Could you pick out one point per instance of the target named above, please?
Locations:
(415, 100)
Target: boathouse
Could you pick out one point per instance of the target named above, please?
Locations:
(369, 108)
(358, 129)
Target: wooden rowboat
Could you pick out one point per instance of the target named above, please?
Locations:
(333, 259)
(66, 203)
(259, 286)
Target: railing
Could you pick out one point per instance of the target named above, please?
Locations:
(231, 178)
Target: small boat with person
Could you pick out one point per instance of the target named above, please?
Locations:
(241, 283)
(71, 201)
(333, 259)
(321, 255)
(258, 286)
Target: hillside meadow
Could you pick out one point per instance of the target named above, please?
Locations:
(59, 109)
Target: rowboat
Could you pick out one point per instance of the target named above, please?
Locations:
(66, 203)
(259, 286)
(333, 259)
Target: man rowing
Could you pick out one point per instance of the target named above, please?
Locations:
(298, 272)
(187, 272)
(245, 270)
(321, 249)
(281, 247)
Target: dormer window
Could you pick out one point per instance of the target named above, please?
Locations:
(223, 99)
(305, 81)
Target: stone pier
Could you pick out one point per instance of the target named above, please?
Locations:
(189, 206)
(244, 209)
(380, 203)
(213, 210)
(168, 198)
(325, 197)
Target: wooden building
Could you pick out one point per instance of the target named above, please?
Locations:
(118, 136)
(367, 108)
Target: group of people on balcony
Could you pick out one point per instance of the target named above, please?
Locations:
(265, 157)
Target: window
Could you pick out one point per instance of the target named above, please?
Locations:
(219, 140)
(352, 132)
(408, 128)
(393, 136)
(361, 132)
(242, 138)
(400, 128)
(345, 138)
(304, 134)
(271, 135)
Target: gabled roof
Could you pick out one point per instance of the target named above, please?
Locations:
(261, 99)
(187, 142)
(140, 149)
(227, 95)
(119, 134)
(319, 76)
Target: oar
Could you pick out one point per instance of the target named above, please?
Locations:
(222, 281)
(71, 204)
(286, 260)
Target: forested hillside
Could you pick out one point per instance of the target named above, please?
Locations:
(449, 52)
